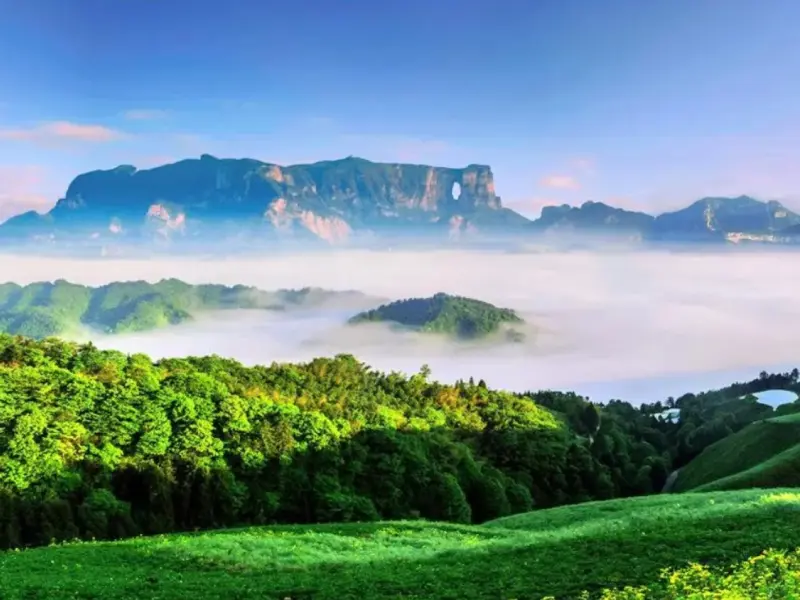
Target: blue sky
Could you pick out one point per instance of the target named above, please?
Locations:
(646, 104)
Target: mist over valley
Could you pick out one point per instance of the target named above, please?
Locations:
(639, 326)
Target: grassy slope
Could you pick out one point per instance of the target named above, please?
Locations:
(762, 445)
(781, 469)
(559, 551)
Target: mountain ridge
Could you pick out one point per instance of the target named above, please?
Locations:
(42, 309)
(335, 202)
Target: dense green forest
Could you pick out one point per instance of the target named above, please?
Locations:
(102, 444)
(456, 316)
(39, 310)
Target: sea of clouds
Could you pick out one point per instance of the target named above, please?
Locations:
(639, 326)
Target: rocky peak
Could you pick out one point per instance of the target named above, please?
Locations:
(720, 216)
(593, 215)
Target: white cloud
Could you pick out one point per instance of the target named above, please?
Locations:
(144, 114)
(23, 188)
(637, 325)
(562, 182)
(62, 130)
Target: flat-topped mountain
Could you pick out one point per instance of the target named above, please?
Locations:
(246, 203)
(215, 198)
(45, 309)
(454, 316)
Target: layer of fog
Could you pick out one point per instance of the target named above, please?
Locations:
(637, 326)
(775, 398)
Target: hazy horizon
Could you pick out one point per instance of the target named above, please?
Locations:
(618, 106)
(637, 326)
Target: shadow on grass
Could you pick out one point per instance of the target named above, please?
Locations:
(408, 560)
(561, 562)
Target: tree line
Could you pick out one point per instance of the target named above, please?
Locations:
(101, 444)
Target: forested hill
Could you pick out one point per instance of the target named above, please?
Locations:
(45, 309)
(98, 444)
(455, 316)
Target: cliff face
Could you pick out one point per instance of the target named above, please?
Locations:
(721, 220)
(244, 201)
(594, 216)
(326, 201)
(727, 219)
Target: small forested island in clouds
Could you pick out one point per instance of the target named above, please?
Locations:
(454, 316)
(43, 309)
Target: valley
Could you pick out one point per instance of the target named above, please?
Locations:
(393, 483)
(380, 449)
(635, 326)
(399, 301)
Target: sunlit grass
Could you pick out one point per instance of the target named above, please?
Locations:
(763, 454)
(773, 574)
(558, 552)
(782, 497)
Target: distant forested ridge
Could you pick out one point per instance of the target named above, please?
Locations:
(457, 316)
(97, 443)
(39, 310)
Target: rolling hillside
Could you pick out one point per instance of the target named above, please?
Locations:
(43, 309)
(335, 480)
(763, 454)
(783, 467)
(549, 553)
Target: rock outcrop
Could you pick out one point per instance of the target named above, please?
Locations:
(727, 219)
(722, 220)
(594, 216)
(206, 201)
(212, 198)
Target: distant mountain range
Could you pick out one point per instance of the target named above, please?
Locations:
(197, 202)
(731, 220)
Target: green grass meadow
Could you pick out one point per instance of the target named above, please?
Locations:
(557, 552)
(763, 454)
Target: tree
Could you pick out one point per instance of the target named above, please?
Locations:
(590, 418)
(102, 444)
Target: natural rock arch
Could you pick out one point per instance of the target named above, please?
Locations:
(456, 190)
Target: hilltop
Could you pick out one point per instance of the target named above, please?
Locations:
(558, 552)
(207, 442)
(455, 316)
(196, 203)
(45, 309)
(763, 454)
